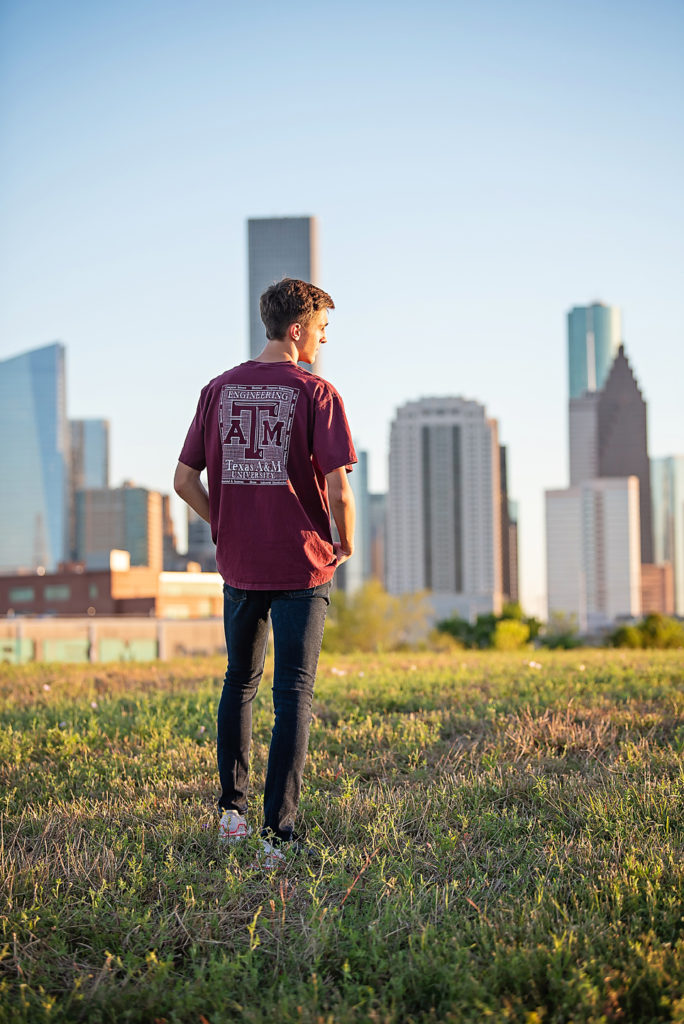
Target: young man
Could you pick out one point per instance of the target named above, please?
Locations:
(277, 449)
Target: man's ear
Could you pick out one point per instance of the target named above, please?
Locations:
(295, 331)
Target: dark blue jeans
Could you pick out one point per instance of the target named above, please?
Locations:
(298, 617)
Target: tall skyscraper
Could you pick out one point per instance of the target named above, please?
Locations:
(592, 569)
(444, 517)
(124, 518)
(583, 437)
(377, 506)
(609, 438)
(594, 334)
(89, 453)
(353, 574)
(201, 547)
(593, 551)
(513, 514)
(34, 460)
(171, 559)
(89, 464)
(667, 488)
(509, 534)
(278, 247)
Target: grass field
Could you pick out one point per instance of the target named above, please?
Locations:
(498, 841)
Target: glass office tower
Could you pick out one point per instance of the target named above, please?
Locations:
(89, 453)
(593, 341)
(667, 488)
(278, 247)
(89, 464)
(34, 442)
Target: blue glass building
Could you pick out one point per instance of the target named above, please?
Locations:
(89, 462)
(33, 459)
(89, 453)
(593, 342)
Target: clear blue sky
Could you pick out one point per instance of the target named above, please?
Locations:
(476, 169)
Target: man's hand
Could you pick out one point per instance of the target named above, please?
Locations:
(341, 554)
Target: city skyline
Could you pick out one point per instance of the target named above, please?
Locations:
(475, 172)
(612, 428)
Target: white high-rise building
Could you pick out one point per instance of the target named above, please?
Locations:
(667, 491)
(593, 550)
(278, 247)
(443, 514)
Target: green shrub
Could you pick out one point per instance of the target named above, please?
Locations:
(482, 634)
(457, 628)
(627, 636)
(510, 635)
(439, 640)
(655, 631)
(662, 632)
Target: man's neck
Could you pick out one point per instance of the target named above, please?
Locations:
(277, 351)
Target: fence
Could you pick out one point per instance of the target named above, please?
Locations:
(107, 639)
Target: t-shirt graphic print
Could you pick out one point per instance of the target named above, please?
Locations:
(255, 427)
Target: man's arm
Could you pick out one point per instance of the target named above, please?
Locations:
(187, 484)
(343, 511)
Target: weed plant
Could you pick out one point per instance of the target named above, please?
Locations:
(498, 839)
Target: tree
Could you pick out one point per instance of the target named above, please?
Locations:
(561, 632)
(373, 620)
(512, 610)
(655, 631)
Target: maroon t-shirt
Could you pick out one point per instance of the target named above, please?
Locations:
(267, 434)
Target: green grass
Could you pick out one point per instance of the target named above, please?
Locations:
(498, 842)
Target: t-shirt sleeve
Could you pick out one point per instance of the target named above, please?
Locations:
(193, 452)
(332, 441)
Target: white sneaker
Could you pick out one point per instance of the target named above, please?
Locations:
(233, 827)
(272, 857)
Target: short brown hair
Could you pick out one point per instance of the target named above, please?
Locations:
(290, 302)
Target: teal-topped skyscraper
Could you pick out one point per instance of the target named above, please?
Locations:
(594, 335)
(34, 446)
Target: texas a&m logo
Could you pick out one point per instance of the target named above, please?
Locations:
(255, 424)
